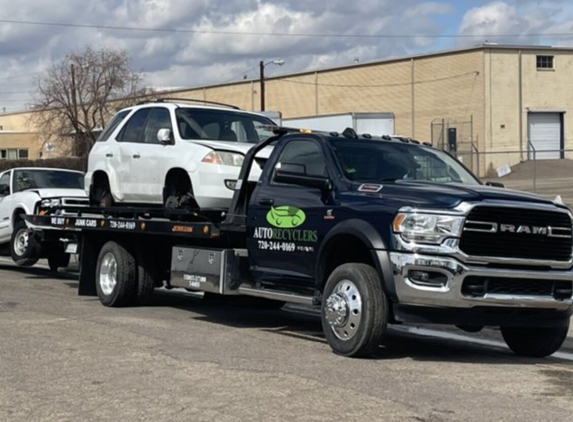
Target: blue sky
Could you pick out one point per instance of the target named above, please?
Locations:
(216, 41)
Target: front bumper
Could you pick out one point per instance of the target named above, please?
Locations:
(450, 294)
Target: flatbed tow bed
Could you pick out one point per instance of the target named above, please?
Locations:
(369, 252)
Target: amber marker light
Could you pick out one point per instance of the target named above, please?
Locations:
(398, 222)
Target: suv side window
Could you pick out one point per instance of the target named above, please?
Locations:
(159, 118)
(305, 152)
(133, 131)
(118, 118)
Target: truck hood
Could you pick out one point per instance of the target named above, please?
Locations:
(439, 195)
(59, 193)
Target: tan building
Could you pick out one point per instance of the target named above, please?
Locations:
(500, 103)
(18, 145)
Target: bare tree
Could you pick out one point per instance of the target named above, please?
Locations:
(77, 96)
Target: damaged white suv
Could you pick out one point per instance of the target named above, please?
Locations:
(173, 154)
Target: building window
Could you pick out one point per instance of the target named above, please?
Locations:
(544, 62)
(14, 154)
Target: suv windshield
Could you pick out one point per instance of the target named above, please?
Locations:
(38, 179)
(370, 161)
(195, 123)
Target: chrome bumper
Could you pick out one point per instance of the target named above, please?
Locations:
(450, 294)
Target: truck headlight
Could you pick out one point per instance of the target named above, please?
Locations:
(51, 202)
(427, 228)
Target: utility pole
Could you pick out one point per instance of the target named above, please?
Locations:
(262, 80)
(75, 111)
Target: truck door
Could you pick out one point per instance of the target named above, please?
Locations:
(287, 221)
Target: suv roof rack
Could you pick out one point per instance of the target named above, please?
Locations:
(191, 100)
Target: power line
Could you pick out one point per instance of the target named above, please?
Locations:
(475, 73)
(277, 34)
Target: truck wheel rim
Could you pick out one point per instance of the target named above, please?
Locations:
(343, 310)
(21, 242)
(108, 274)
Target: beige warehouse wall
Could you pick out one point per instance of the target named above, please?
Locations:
(27, 141)
(439, 87)
(541, 90)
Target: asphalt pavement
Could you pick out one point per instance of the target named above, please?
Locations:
(65, 357)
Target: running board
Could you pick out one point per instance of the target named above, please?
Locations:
(277, 295)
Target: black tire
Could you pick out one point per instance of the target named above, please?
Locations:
(360, 333)
(116, 276)
(535, 342)
(58, 260)
(24, 249)
(146, 275)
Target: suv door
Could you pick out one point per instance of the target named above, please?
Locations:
(5, 206)
(151, 158)
(129, 152)
(287, 223)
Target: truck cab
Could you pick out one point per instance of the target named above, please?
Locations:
(441, 246)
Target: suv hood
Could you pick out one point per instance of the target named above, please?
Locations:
(241, 147)
(438, 195)
(59, 193)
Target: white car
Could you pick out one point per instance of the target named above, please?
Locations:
(25, 191)
(172, 154)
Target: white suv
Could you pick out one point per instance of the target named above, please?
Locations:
(173, 154)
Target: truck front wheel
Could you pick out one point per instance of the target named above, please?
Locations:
(354, 310)
(116, 276)
(537, 342)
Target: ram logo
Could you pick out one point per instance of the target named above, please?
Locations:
(510, 228)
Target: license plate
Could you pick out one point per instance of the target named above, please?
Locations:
(72, 248)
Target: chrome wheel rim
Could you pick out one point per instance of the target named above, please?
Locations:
(21, 242)
(108, 274)
(343, 310)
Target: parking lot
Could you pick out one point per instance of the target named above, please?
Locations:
(67, 358)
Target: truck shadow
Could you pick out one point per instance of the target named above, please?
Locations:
(39, 273)
(305, 325)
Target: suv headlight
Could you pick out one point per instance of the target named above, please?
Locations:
(225, 158)
(427, 228)
(51, 202)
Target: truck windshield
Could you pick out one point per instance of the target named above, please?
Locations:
(196, 123)
(370, 161)
(40, 179)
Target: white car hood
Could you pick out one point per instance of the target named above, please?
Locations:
(59, 193)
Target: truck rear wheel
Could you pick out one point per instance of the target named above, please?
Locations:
(535, 342)
(354, 310)
(116, 275)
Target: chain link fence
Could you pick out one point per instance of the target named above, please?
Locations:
(457, 137)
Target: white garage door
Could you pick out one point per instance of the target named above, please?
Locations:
(545, 135)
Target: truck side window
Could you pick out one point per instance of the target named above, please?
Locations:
(307, 153)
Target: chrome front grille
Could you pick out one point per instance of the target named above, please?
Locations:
(519, 233)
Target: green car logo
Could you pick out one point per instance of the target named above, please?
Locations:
(286, 217)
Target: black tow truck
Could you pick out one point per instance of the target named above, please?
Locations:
(373, 230)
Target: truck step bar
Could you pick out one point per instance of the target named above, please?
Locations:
(278, 295)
